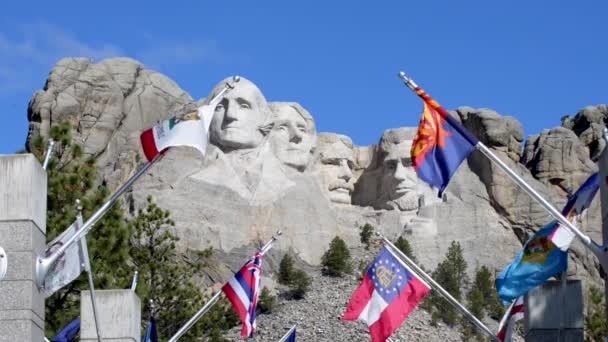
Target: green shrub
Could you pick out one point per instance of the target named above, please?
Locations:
(299, 285)
(286, 270)
(266, 302)
(365, 234)
(336, 261)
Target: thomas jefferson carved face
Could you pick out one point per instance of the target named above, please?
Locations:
(399, 182)
(240, 117)
(334, 166)
(293, 136)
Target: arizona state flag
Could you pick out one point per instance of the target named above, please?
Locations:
(440, 145)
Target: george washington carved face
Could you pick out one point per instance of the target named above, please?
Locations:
(239, 119)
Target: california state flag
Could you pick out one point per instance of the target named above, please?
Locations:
(190, 130)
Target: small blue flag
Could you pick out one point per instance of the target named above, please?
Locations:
(291, 337)
(538, 261)
(69, 332)
(151, 335)
(546, 253)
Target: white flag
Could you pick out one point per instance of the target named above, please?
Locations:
(191, 130)
(69, 265)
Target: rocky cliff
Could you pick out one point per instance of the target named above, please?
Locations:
(267, 168)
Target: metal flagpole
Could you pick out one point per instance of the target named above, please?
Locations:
(504, 318)
(215, 298)
(284, 338)
(87, 268)
(599, 251)
(440, 289)
(44, 264)
(134, 282)
(48, 154)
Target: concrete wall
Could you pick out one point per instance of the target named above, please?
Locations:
(120, 316)
(23, 187)
(554, 312)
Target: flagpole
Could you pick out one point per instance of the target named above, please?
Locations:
(215, 298)
(87, 266)
(48, 154)
(504, 318)
(44, 264)
(441, 290)
(134, 281)
(599, 251)
(284, 338)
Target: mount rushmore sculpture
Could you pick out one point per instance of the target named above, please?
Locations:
(267, 168)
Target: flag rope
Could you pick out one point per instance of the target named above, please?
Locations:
(184, 329)
(419, 272)
(599, 251)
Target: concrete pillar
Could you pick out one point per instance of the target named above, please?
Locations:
(120, 316)
(603, 166)
(23, 237)
(554, 312)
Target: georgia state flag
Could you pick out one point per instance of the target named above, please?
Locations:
(388, 293)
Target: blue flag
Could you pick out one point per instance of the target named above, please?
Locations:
(441, 144)
(546, 253)
(291, 337)
(538, 261)
(151, 335)
(69, 332)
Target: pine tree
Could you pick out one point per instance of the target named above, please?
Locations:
(299, 285)
(485, 284)
(71, 175)
(451, 275)
(336, 261)
(266, 301)
(405, 247)
(596, 323)
(286, 270)
(166, 277)
(365, 234)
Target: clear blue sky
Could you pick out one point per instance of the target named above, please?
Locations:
(535, 60)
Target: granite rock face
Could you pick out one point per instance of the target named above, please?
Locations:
(108, 104)
(267, 168)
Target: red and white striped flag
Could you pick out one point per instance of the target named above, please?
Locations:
(190, 130)
(242, 291)
(514, 314)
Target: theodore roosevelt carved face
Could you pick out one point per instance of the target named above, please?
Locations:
(334, 166)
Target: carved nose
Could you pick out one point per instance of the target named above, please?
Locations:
(295, 136)
(345, 172)
(400, 172)
(231, 112)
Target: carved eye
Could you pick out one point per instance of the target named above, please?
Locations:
(219, 107)
(407, 162)
(245, 105)
(302, 129)
(391, 165)
(283, 128)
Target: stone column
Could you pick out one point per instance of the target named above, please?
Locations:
(554, 312)
(23, 237)
(119, 316)
(603, 166)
